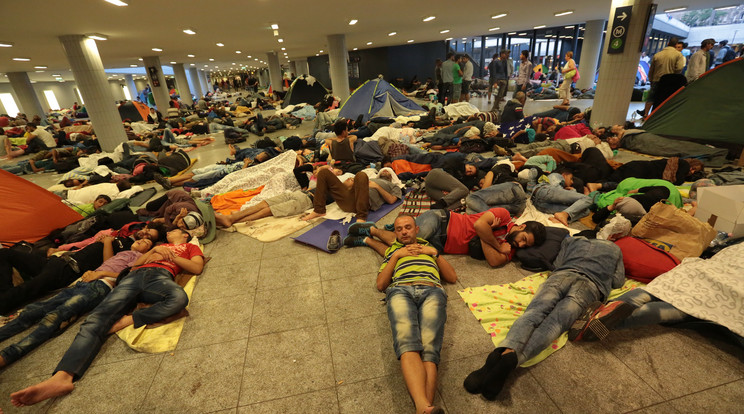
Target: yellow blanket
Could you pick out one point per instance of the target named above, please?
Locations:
(496, 307)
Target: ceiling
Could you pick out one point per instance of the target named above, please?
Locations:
(245, 26)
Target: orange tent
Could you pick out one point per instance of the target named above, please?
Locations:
(29, 212)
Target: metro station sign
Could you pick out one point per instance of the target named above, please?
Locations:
(619, 31)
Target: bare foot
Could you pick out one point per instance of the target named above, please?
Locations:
(310, 216)
(560, 217)
(60, 384)
(122, 323)
(519, 157)
(222, 221)
(232, 149)
(2, 364)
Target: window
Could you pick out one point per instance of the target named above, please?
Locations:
(9, 103)
(52, 100)
(127, 95)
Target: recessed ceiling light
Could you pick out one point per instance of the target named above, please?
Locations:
(38, 71)
(40, 67)
(21, 59)
(320, 51)
(132, 66)
(173, 63)
(724, 8)
(392, 33)
(255, 58)
(352, 22)
(189, 31)
(275, 26)
(140, 59)
(493, 29)
(96, 36)
(192, 64)
(356, 48)
(317, 54)
(521, 34)
(542, 26)
(464, 38)
(220, 44)
(249, 56)
(238, 52)
(157, 49)
(410, 41)
(56, 75)
(430, 18)
(369, 43)
(206, 66)
(233, 63)
(211, 59)
(276, 33)
(116, 2)
(676, 9)
(190, 56)
(568, 27)
(449, 38)
(6, 44)
(498, 16)
(512, 33)
(444, 31)
(563, 13)
(280, 40)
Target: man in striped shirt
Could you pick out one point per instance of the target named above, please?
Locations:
(416, 306)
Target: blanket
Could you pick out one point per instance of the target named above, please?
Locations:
(496, 307)
(232, 201)
(416, 203)
(271, 229)
(648, 143)
(459, 109)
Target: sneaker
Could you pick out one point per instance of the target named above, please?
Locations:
(164, 182)
(334, 242)
(361, 229)
(580, 324)
(354, 241)
(604, 319)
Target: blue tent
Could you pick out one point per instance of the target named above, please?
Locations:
(376, 98)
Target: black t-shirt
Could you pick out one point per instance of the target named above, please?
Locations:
(91, 257)
(513, 111)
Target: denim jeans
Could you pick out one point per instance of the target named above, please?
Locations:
(417, 315)
(650, 310)
(51, 314)
(552, 199)
(558, 303)
(439, 181)
(250, 153)
(150, 285)
(433, 227)
(509, 195)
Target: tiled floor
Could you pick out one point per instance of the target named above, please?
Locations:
(281, 327)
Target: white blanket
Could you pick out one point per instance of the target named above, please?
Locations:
(460, 109)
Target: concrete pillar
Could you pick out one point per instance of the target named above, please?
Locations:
(132, 87)
(207, 85)
(338, 59)
(196, 82)
(618, 71)
(590, 50)
(182, 84)
(29, 102)
(275, 71)
(154, 74)
(292, 68)
(92, 82)
(302, 67)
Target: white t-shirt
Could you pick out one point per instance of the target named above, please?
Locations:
(467, 72)
(45, 136)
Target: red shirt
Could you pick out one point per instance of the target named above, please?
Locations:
(185, 250)
(573, 131)
(461, 229)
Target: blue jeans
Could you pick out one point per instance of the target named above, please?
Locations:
(51, 314)
(650, 310)
(150, 285)
(510, 196)
(417, 315)
(433, 227)
(558, 303)
(552, 199)
(250, 153)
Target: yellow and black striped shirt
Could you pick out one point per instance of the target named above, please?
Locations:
(421, 268)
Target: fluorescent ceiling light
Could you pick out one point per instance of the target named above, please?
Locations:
(676, 9)
(563, 13)
(132, 66)
(233, 63)
(284, 48)
(493, 29)
(220, 44)
(512, 33)
(96, 36)
(206, 66)
(192, 64)
(356, 48)
(444, 31)
(238, 52)
(21, 59)
(498, 16)
(317, 54)
(211, 59)
(249, 56)
(116, 2)
(352, 22)
(173, 63)
(38, 71)
(40, 67)
(430, 18)
(724, 8)
(369, 43)
(56, 75)
(189, 31)
(190, 56)
(157, 49)
(280, 40)
(275, 26)
(6, 44)
(140, 59)
(521, 34)
(542, 26)
(276, 33)
(410, 41)
(449, 38)
(568, 27)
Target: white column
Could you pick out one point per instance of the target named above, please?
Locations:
(302, 67)
(196, 82)
(154, 74)
(207, 85)
(87, 69)
(618, 71)
(30, 104)
(293, 68)
(182, 83)
(590, 49)
(132, 87)
(275, 71)
(338, 59)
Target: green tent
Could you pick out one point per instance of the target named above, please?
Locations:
(708, 109)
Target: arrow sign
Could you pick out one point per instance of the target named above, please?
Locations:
(623, 16)
(619, 31)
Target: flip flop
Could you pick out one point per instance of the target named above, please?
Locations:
(334, 242)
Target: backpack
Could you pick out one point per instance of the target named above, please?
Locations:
(730, 55)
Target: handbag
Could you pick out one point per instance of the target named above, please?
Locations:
(672, 230)
(576, 77)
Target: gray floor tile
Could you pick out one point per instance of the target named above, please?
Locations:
(380, 395)
(287, 363)
(224, 281)
(296, 269)
(663, 408)
(94, 392)
(217, 320)
(362, 348)
(573, 377)
(463, 335)
(669, 362)
(287, 308)
(116, 350)
(349, 262)
(725, 398)
(234, 248)
(521, 392)
(322, 402)
(10, 385)
(352, 297)
(208, 379)
(279, 249)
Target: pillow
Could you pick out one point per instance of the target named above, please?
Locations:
(643, 261)
(540, 258)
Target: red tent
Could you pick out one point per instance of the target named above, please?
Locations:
(29, 212)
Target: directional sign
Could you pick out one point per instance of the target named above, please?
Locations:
(619, 31)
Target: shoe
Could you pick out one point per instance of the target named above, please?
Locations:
(579, 324)
(358, 121)
(474, 381)
(361, 229)
(164, 182)
(334, 242)
(603, 320)
(640, 112)
(354, 241)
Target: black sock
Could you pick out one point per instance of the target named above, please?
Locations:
(474, 381)
(496, 377)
